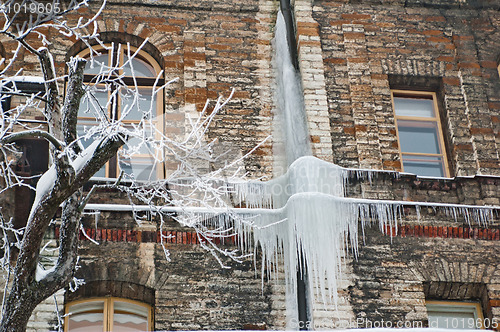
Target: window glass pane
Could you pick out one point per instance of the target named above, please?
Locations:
(94, 103)
(140, 68)
(414, 107)
(129, 317)
(135, 109)
(86, 317)
(418, 137)
(453, 316)
(81, 129)
(422, 167)
(140, 167)
(94, 68)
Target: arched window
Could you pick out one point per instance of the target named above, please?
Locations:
(107, 314)
(111, 101)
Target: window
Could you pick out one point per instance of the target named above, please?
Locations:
(419, 133)
(454, 315)
(107, 314)
(112, 102)
(34, 153)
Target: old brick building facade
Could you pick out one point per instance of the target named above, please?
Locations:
(355, 59)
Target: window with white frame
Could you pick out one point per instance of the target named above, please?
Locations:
(112, 102)
(454, 315)
(107, 314)
(419, 132)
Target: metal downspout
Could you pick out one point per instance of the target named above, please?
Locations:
(302, 289)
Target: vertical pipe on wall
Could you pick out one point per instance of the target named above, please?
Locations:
(302, 298)
(286, 10)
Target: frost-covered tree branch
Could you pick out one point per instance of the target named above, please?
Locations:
(78, 152)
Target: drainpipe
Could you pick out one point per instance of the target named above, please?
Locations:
(302, 298)
(286, 10)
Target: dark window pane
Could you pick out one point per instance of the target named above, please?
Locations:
(423, 166)
(95, 66)
(129, 317)
(418, 137)
(140, 68)
(86, 316)
(414, 107)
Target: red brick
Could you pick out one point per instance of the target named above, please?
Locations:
(356, 16)
(307, 31)
(432, 32)
(445, 58)
(470, 65)
(168, 28)
(489, 64)
(176, 21)
(335, 60)
(451, 81)
(475, 131)
(435, 19)
(438, 40)
(354, 35)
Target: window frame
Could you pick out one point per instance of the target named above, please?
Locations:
(457, 306)
(148, 59)
(108, 311)
(436, 119)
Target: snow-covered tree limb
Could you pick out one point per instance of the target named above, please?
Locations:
(77, 155)
(33, 134)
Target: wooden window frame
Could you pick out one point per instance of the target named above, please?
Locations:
(112, 171)
(434, 120)
(459, 306)
(108, 311)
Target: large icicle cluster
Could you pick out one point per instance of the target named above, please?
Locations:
(305, 216)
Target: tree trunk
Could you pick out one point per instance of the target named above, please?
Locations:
(17, 312)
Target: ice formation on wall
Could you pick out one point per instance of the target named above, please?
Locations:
(290, 99)
(305, 212)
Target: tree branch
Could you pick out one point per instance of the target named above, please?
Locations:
(52, 107)
(33, 134)
(64, 269)
(71, 105)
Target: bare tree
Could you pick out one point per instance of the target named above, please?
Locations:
(73, 164)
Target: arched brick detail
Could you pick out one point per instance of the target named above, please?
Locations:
(441, 269)
(121, 289)
(122, 38)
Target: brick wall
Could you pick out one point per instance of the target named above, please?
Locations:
(365, 44)
(191, 292)
(351, 54)
(393, 277)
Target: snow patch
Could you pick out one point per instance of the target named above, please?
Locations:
(43, 187)
(41, 273)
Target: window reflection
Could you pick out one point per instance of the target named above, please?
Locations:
(112, 102)
(107, 314)
(419, 133)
